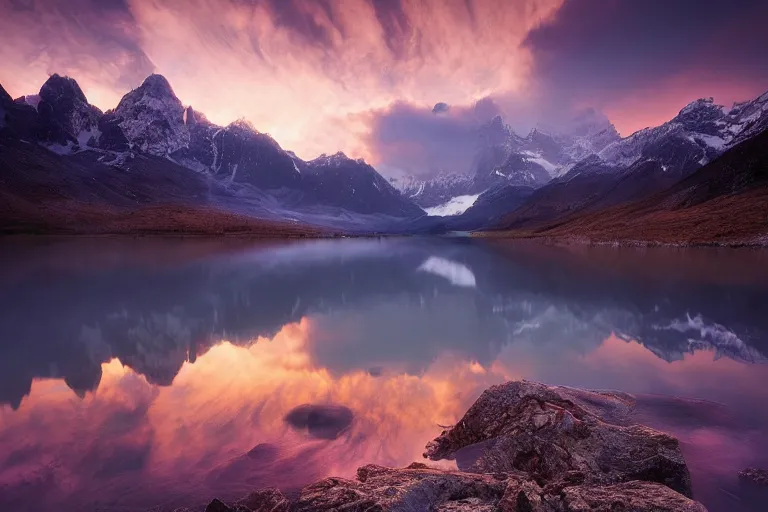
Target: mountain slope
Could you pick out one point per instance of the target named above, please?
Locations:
(65, 113)
(46, 193)
(340, 181)
(724, 202)
(504, 158)
(152, 118)
(151, 124)
(646, 162)
(489, 208)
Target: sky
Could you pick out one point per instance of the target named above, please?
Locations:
(398, 82)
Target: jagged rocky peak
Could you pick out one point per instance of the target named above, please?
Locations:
(494, 132)
(194, 117)
(539, 133)
(244, 130)
(66, 114)
(242, 125)
(58, 87)
(20, 120)
(5, 98)
(336, 159)
(157, 86)
(700, 114)
(699, 104)
(152, 117)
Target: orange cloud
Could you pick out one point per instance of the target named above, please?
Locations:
(299, 70)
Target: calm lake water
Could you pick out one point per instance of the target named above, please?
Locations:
(144, 375)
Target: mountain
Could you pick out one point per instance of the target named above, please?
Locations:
(43, 192)
(340, 181)
(648, 161)
(245, 171)
(504, 158)
(490, 206)
(152, 118)
(152, 151)
(237, 153)
(67, 117)
(17, 119)
(700, 132)
(436, 191)
(723, 202)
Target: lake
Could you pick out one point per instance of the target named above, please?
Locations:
(144, 374)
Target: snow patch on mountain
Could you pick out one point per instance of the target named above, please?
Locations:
(546, 164)
(712, 141)
(456, 206)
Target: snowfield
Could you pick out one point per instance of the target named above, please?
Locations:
(456, 206)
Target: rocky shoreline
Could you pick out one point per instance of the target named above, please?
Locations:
(521, 447)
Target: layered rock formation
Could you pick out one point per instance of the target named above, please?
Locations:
(522, 447)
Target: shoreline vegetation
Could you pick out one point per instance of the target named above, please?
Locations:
(521, 447)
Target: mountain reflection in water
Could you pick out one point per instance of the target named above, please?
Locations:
(153, 375)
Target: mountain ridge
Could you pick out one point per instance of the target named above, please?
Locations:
(721, 203)
(521, 183)
(150, 120)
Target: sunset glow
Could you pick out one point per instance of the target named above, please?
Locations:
(319, 76)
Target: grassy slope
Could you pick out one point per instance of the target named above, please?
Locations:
(84, 219)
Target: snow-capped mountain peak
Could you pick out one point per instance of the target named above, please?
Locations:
(335, 160)
(152, 117)
(701, 131)
(700, 103)
(157, 86)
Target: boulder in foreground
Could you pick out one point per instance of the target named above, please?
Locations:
(555, 433)
(522, 447)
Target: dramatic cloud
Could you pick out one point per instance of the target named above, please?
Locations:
(410, 140)
(295, 68)
(97, 42)
(642, 61)
(328, 75)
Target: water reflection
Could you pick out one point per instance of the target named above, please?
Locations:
(132, 382)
